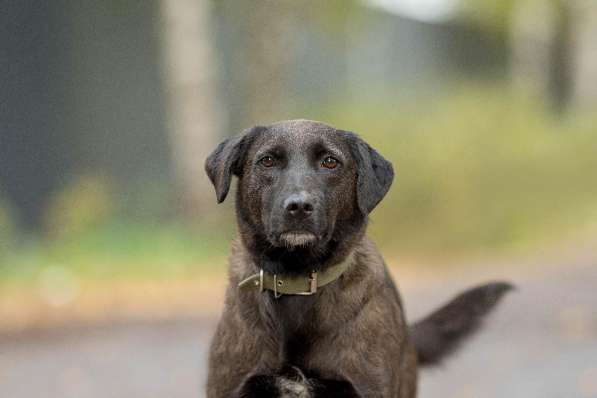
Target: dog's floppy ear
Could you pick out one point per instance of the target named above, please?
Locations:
(227, 159)
(374, 174)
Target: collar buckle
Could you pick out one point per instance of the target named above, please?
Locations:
(312, 285)
(278, 282)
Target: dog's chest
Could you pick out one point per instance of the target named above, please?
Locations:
(294, 319)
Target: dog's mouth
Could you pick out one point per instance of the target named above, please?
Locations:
(294, 239)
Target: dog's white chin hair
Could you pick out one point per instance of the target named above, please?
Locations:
(297, 239)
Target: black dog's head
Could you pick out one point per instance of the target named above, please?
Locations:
(304, 187)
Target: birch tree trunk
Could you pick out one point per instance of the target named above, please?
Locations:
(540, 45)
(270, 23)
(584, 58)
(194, 116)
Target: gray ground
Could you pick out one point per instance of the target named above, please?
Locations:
(541, 343)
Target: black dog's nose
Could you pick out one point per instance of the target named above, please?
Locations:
(298, 205)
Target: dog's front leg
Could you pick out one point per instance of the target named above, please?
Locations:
(334, 389)
(290, 382)
(258, 386)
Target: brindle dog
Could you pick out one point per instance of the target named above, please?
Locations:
(304, 194)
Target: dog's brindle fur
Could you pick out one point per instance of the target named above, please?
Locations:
(350, 339)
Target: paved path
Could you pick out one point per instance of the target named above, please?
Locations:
(541, 343)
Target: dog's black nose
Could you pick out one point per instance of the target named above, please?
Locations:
(298, 205)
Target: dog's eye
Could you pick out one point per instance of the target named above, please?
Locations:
(267, 161)
(330, 163)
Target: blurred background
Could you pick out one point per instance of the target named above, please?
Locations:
(113, 250)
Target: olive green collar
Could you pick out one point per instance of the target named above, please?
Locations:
(295, 285)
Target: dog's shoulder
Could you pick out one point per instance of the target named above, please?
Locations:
(368, 262)
(240, 264)
(366, 279)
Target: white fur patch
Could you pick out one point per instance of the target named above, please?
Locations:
(289, 388)
(301, 239)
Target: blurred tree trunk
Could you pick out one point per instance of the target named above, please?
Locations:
(540, 43)
(270, 25)
(584, 55)
(193, 108)
(264, 47)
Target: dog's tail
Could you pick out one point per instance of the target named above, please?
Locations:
(442, 332)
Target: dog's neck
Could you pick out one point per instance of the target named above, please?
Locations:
(291, 319)
(297, 261)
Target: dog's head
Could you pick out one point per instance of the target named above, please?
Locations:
(302, 184)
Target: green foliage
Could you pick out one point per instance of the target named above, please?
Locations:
(120, 249)
(478, 169)
(82, 205)
(7, 228)
(493, 15)
(335, 16)
(497, 15)
(95, 231)
(331, 16)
